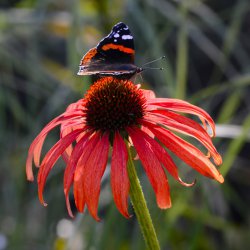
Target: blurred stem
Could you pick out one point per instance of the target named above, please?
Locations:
(72, 57)
(231, 37)
(235, 146)
(182, 48)
(237, 83)
(140, 207)
(230, 106)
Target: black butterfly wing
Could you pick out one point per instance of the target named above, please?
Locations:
(118, 46)
(114, 54)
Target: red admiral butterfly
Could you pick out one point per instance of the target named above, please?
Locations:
(113, 55)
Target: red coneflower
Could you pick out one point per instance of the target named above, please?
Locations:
(115, 112)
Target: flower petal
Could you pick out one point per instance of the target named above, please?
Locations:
(71, 166)
(164, 158)
(152, 167)
(92, 172)
(78, 174)
(186, 126)
(36, 146)
(148, 94)
(38, 150)
(66, 128)
(119, 175)
(186, 151)
(147, 131)
(181, 106)
(50, 159)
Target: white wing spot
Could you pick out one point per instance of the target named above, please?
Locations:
(115, 40)
(116, 35)
(127, 37)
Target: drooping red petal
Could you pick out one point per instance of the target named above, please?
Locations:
(148, 94)
(79, 105)
(66, 128)
(186, 151)
(186, 126)
(147, 131)
(119, 175)
(78, 175)
(92, 172)
(181, 106)
(71, 166)
(50, 159)
(78, 151)
(163, 157)
(36, 146)
(152, 167)
(79, 195)
(38, 150)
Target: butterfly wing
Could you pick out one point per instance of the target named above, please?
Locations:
(113, 55)
(118, 46)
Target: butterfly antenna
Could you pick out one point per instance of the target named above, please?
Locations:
(145, 68)
(158, 59)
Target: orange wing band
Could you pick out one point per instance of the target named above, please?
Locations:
(119, 47)
(88, 56)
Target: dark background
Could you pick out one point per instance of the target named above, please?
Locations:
(207, 46)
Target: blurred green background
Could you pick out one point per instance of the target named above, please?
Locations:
(207, 46)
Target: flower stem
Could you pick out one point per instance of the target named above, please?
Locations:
(182, 54)
(140, 207)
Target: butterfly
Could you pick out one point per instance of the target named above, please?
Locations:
(112, 56)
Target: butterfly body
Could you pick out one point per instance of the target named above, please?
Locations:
(113, 55)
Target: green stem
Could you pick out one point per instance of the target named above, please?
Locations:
(182, 56)
(140, 207)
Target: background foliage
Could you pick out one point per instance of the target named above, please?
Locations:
(207, 45)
